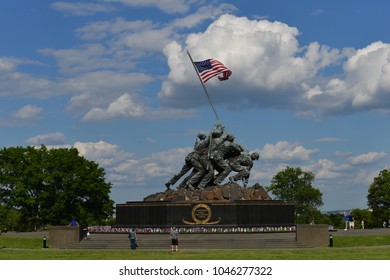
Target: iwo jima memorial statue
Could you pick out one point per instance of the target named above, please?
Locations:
(202, 199)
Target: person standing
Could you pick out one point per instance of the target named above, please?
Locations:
(346, 220)
(133, 239)
(174, 234)
(351, 221)
(362, 224)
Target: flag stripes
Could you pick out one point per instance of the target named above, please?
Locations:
(210, 68)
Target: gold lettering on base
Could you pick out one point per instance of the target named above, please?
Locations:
(201, 215)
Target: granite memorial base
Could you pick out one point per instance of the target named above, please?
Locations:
(313, 235)
(240, 213)
(62, 236)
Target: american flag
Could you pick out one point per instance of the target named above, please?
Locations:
(210, 68)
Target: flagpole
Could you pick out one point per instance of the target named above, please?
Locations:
(204, 87)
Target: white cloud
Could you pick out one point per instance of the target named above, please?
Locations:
(99, 88)
(368, 158)
(364, 176)
(96, 150)
(326, 169)
(269, 67)
(106, 154)
(285, 151)
(28, 112)
(81, 9)
(130, 106)
(363, 86)
(99, 30)
(134, 38)
(202, 14)
(8, 64)
(124, 106)
(55, 138)
(151, 40)
(167, 6)
(88, 58)
(125, 168)
(25, 116)
(161, 165)
(16, 83)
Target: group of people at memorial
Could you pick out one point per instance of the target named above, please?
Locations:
(173, 233)
(213, 158)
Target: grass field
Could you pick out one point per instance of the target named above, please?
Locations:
(345, 248)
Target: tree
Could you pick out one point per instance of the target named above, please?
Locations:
(9, 219)
(294, 185)
(53, 186)
(378, 198)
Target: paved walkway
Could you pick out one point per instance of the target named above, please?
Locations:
(361, 232)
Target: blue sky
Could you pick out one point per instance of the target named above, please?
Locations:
(310, 86)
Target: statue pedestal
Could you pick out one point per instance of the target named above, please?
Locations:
(239, 213)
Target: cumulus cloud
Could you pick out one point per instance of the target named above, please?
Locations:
(128, 106)
(366, 176)
(285, 151)
(99, 88)
(269, 67)
(108, 155)
(124, 106)
(159, 165)
(28, 112)
(55, 138)
(368, 158)
(26, 115)
(363, 85)
(97, 150)
(325, 169)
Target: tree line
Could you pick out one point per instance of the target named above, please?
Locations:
(296, 185)
(41, 186)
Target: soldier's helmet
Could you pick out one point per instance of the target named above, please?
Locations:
(255, 156)
(230, 137)
(201, 135)
(216, 133)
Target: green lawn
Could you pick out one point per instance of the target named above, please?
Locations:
(345, 248)
(302, 254)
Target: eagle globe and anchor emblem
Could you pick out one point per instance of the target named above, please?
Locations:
(201, 215)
